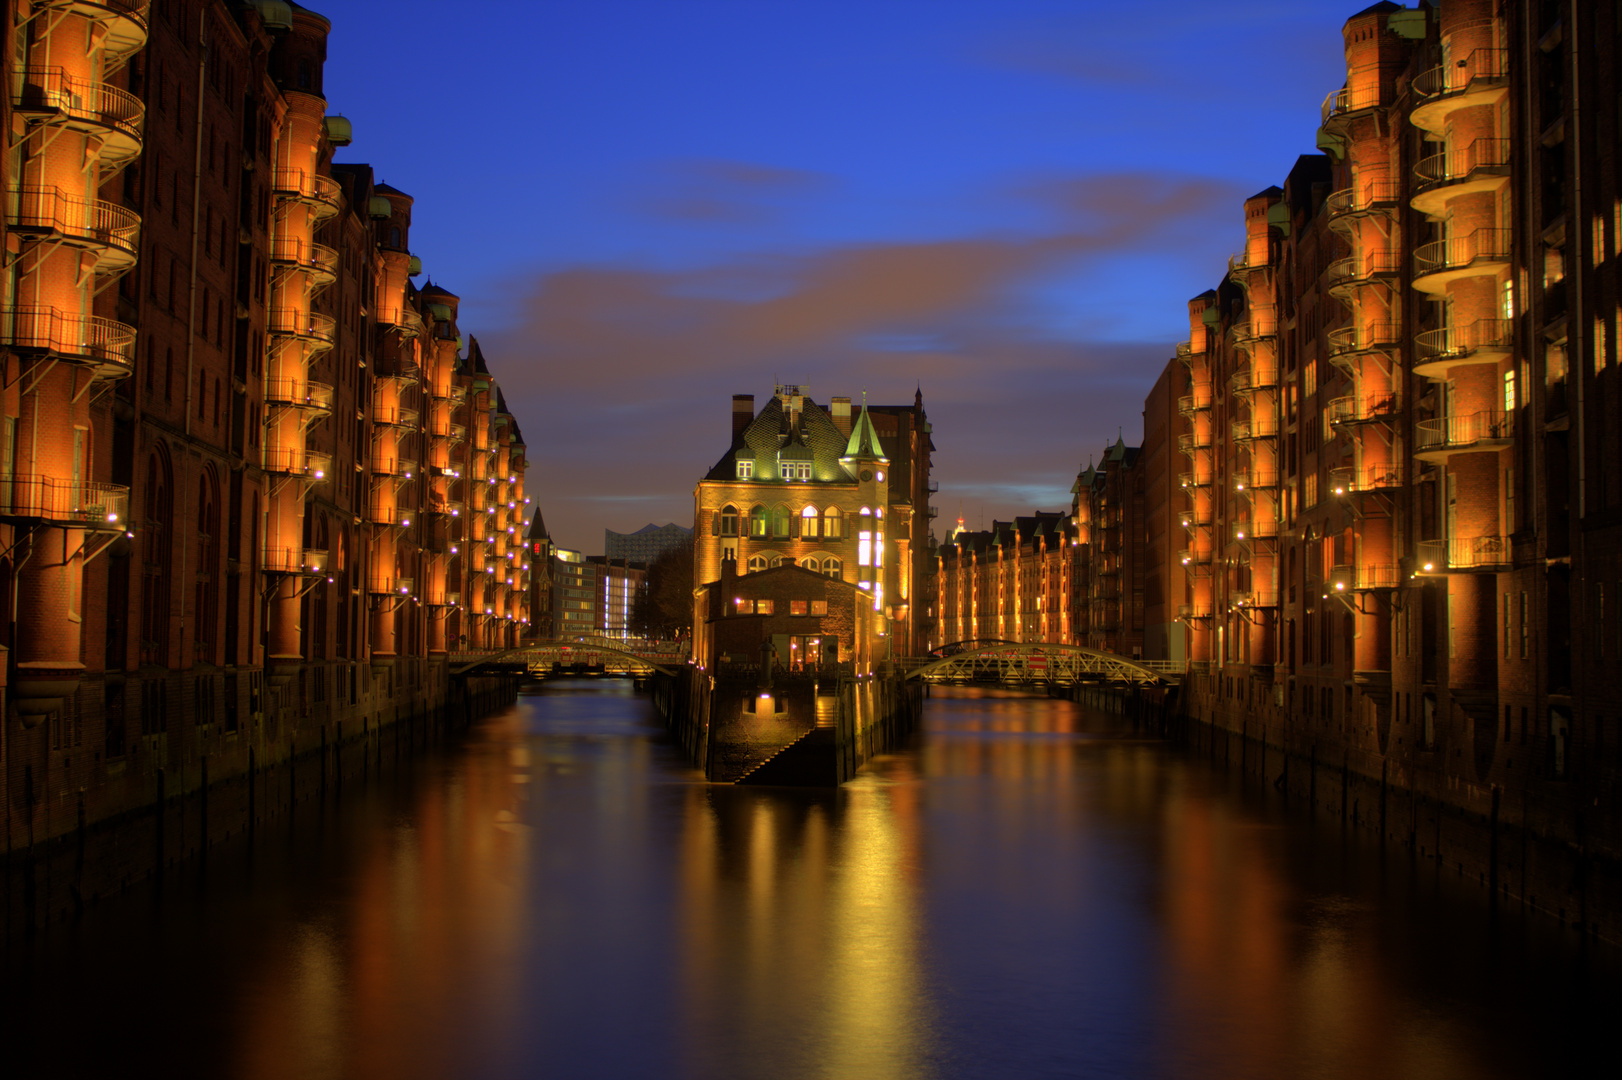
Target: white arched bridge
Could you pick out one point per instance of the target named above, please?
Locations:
(598, 655)
(1036, 663)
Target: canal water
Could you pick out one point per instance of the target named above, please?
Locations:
(1028, 890)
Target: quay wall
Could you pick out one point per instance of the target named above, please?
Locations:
(82, 825)
(1375, 773)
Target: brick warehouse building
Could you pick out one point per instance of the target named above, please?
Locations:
(1400, 465)
(845, 496)
(229, 413)
(1011, 582)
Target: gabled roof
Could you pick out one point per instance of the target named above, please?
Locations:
(431, 289)
(812, 436)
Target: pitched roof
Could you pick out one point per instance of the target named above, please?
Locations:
(811, 436)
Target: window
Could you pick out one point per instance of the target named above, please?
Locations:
(819, 607)
(808, 522)
(1509, 391)
(830, 523)
(1526, 641)
(729, 521)
(757, 563)
(746, 468)
(763, 607)
(833, 568)
(798, 607)
(757, 521)
(780, 520)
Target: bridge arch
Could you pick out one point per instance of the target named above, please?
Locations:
(1035, 662)
(553, 649)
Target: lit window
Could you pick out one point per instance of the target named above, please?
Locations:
(797, 607)
(780, 520)
(819, 607)
(1509, 391)
(746, 468)
(757, 521)
(763, 607)
(808, 522)
(830, 523)
(864, 549)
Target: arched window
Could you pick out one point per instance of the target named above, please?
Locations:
(808, 522)
(729, 521)
(833, 568)
(757, 563)
(757, 521)
(780, 520)
(812, 563)
(830, 523)
(774, 562)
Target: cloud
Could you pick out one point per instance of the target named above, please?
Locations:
(625, 373)
(720, 191)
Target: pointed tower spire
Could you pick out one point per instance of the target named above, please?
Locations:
(864, 441)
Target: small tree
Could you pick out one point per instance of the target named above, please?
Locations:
(664, 609)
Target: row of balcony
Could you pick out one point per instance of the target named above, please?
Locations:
(1355, 409)
(1354, 480)
(1481, 78)
(321, 194)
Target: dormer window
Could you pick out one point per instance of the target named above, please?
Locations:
(746, 468)
(795, 470)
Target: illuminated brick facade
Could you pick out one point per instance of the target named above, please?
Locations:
(1012, 582)
(253, 487)
(1401, 475)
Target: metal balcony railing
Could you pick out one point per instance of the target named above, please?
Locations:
(1365, 338)
(1195, 479)
(1486, 245)
(1361, 409)
(1257, 427)
(1454, 165)
(1349, 480)
(53, 90)
(1200, 398)
(1461, 75)
(1362, 267)
(319, 260)
(289, 461)
(1363, 578)
(308, 186)
(1256, 598)
(1463, 432)
(385, 512)
(303, 324)
(1363, 196)
(34, 210)
(1190, 441)
(1254, 376)
(299, 394)
(293, 560)
(1257, 529)
(393, 415)
(1461, 341)
(394, 466)
(1194, 611)
(82, 503)
(86, 339)
(1464, 553)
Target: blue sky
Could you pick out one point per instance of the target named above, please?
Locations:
(650, 206)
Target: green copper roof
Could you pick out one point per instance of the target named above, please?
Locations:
(864, 441)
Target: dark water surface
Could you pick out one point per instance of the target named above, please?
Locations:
(1029, 891)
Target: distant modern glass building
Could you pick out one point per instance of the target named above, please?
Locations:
(646, 544)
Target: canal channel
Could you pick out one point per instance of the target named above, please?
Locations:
(1030, 888)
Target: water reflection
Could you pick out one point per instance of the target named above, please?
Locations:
(1031, 891)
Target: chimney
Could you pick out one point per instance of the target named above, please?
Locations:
(840, 406)
(743, 411)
